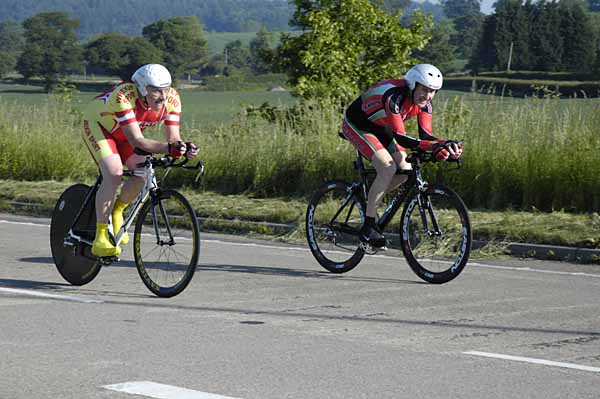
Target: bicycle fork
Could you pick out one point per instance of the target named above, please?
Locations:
(156, 202)
(425, 209)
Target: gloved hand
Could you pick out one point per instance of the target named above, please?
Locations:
(177, 149)
(192, 150)
(442, 149)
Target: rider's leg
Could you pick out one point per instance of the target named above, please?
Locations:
(371, 148)
(386, 169)
(400, 159)
(130, 190)
(112, 171)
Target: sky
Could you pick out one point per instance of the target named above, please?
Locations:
(486, 6)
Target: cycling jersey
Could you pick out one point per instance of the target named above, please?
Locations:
(122, 105)
(375, 120)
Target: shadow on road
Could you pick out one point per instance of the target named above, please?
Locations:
(287, 272)
(49, 261)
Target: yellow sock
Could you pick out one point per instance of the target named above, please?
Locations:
(102, 245)
(117, 219)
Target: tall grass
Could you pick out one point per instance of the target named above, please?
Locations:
(520, 154)
(42, 142)
(528, 154)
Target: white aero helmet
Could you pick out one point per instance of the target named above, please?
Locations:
(151, 75)
(425, 74)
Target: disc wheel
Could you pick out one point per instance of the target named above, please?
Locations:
(74, 260)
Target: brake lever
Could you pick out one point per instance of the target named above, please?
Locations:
(200, 167)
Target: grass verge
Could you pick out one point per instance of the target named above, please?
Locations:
(282, 219)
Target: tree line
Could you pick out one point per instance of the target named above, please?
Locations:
(540, 36)
(46, 46)
(129, 17)
(340, 47)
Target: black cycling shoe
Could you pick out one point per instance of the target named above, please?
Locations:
(372, 236)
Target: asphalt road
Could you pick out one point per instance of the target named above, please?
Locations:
(262, 320)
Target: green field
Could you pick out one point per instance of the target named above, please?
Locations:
(199, 107)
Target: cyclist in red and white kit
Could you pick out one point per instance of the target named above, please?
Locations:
(374, 124)
(113, 125)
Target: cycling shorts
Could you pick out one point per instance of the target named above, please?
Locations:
(367, 143)
(101, 143)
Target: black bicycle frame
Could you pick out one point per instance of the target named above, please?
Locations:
(91, 194)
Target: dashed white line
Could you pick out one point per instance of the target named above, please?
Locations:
(162, 391)
(534, 361)
(47, 295)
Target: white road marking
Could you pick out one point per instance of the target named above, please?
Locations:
(303, 249)
(162, 391)
(534, 361)
(47, 295)
(24, 223)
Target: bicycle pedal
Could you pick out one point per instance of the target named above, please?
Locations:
(108, 260)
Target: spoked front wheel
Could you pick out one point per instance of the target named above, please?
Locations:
(334, 218)
(166, 243)
(436, 234)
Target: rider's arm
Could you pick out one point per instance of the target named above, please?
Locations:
(393, 107)
(424, 122)
(136, 139)
(172, 133)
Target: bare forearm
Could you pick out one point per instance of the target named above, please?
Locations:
(150, 145)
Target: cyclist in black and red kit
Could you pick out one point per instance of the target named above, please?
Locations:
(374, 124)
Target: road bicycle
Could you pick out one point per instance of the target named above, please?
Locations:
(166, 239)
(435, 230)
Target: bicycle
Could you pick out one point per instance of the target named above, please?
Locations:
(166, 241)
(435, 230)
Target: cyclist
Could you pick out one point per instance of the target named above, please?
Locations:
(374, 124)
(112, 128)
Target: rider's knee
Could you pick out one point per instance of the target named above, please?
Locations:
(388, 170)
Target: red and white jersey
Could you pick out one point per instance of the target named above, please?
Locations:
(122, 105)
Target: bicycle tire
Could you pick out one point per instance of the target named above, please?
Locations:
(335, 244)
(436, 259)
(164, 266)
(75, 263)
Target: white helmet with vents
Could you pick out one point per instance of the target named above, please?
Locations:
(154, 75)
(426, 75)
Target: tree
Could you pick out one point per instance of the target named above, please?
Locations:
(182, 41)
(236, 54)
(438, 50)
(108, 52)
(467, 32)
(141, 52)
(11, 44)
(51, 49)
(460, 8)
(546, 40)
(485, 54)
(346, 46)
(261, 51)
(513, 31)
(117, 54)
(580, 36)
(393, 6)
